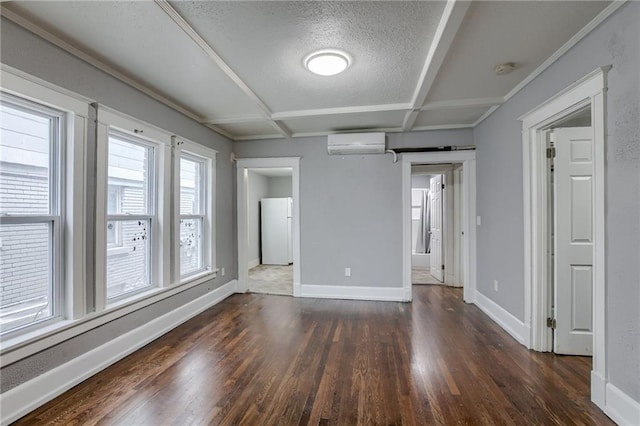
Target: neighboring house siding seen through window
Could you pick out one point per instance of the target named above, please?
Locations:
(30, 212)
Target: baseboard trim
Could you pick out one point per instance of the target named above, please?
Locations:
(620, 407)
(253, 263)
(28, 396)
(512, 325)
(390, 294)
(598, 389)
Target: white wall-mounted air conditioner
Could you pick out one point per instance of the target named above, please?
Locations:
(356, 143)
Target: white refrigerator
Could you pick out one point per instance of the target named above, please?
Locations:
(277, 247)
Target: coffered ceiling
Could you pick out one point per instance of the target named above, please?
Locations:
(237, 66)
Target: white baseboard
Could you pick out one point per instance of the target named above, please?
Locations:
(512, 325)
(620, 407)
(391, 294)
(253, 263)
(598, 389)
(28, 396)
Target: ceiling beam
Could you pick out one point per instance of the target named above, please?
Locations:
(462, 103)
(452, 16)
(200, 42)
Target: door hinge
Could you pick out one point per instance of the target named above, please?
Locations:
(551, 322)
(443, 267)
(551, 153)
(443, 186)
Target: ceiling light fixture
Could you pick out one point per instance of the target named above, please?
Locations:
(327, 62)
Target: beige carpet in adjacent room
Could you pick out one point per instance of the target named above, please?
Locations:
(271, 279)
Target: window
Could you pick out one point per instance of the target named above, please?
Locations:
(30, 213)
(192, 214)
(195, 169)
(130, 214)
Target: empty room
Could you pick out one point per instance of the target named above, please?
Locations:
(319, 212)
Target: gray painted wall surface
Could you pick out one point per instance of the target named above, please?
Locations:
(421, 181)
(258, 189)
(350, 207)
(499, 185)
(27, 52)
(280, 186)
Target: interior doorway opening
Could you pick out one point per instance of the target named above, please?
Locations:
(436, 228)
(268, 193)
(569, 144)
(270, 234)
(459, 166)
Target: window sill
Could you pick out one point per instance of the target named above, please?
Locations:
(19, 347)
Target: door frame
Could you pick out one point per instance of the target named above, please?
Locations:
(468, 160)
(589, 90)
(242, 181)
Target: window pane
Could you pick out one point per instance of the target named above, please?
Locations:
(130, 270)
(129, 177)
(191, 246)
(25, 142)
(191, 180)
(26, 289)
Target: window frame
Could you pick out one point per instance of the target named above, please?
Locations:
(66, 192)
(137, 132)
(207, 156)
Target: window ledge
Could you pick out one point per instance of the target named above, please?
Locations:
(19, 347)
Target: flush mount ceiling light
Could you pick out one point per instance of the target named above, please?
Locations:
(327, 62)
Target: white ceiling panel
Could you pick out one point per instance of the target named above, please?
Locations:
(140, 39)
(343, 122)
(265, 43)
(444, 117)
(524, 32)
(250, 128)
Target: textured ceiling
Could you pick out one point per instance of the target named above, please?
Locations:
(238, 66)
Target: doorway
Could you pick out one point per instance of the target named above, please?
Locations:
(269, 215)
(570, 233)
(268, 225)
(438, 164)
(540, 235)
(433, 235)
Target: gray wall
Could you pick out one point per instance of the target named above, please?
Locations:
(499, 173)
(421, 181)
(258, 189)
(27, 52)
(350, 207)
(280, 186)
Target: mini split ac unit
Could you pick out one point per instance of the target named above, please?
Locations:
(356, 143)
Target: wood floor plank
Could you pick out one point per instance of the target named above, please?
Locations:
(272, 360)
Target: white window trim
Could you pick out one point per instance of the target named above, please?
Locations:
(208, 155)
(72, 177)
(108, 120)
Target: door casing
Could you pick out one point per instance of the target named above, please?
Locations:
(588, 91)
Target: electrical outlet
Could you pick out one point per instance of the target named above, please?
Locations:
(495, 285)
(347, 272)
(223, 271)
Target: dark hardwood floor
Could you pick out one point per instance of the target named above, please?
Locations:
(276, 360)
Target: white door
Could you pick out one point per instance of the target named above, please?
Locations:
(436, 228)
(573, 201)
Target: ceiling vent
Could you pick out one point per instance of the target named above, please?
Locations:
(356, 143)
